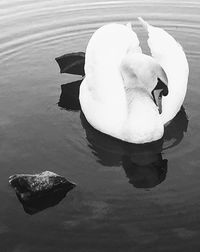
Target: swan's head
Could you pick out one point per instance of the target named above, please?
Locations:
(142, 71)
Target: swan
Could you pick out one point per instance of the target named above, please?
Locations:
(127, 94)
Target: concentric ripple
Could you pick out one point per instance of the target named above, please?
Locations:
(28, 23)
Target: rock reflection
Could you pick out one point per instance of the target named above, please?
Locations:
(143, 164)
(39, 204)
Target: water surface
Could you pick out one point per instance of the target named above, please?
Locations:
(127, 198)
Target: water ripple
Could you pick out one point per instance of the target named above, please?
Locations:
(30, 25)
(46, 22)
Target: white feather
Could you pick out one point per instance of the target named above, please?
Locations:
(170, 55)
(115, 95)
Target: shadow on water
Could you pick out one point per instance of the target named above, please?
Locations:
(69, 98)
(143, 163)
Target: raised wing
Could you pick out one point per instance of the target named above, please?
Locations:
(135, 46)
(170, 55)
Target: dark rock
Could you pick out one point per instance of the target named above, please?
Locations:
(40, 191)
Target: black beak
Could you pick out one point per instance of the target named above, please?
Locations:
(160, 90)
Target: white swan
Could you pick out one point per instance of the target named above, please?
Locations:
(116, 93)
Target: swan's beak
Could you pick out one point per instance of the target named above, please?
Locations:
(160, 90)
(157, 96)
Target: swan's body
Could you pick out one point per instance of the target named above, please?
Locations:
(115, 95)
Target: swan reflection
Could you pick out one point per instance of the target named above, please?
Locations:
(145, 171)
(143, 164)
(69, 98)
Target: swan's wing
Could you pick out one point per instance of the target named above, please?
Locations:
(105, 51)
(135, 45)
(102, 93)
(170, 55)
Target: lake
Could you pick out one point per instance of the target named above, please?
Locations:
(128, 198)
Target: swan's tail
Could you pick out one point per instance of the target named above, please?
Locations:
(129, 25)
(144, 23)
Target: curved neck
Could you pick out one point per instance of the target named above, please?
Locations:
(137, 95)
(143, 123)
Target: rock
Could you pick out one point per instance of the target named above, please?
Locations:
(39, 191)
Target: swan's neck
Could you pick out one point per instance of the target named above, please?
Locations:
(136, 95)
(143, 122)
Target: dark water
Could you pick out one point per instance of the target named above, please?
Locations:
(128, 198)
